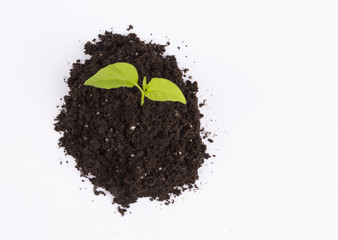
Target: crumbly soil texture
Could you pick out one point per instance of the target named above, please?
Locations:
(131, 151)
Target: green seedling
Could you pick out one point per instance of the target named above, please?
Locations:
(125, 75)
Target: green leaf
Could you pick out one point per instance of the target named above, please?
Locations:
(144, 85)
(114, 76)
(160, 89)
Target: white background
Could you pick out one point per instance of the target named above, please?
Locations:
(269, 70)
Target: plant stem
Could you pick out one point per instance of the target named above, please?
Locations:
(142, 99)
(144, 89)
(136, 85)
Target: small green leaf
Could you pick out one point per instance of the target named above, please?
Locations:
(144, 85)
(114, 76)
(160, 89)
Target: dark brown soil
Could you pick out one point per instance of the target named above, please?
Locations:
(131, 151)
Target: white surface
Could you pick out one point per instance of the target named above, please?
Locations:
(271, 68)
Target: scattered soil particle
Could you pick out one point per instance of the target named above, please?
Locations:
(122, 210)
(203, 103)
(206, 134)
(98, 192)
(130, 27)
(132, 152)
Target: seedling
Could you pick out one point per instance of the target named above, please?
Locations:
(125, 75)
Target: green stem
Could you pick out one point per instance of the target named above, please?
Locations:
(142, 99)
(136, 85)
(144, 84)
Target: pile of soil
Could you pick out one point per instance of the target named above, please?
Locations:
(131, 151)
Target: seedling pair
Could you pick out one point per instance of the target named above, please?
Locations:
(125, 75)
